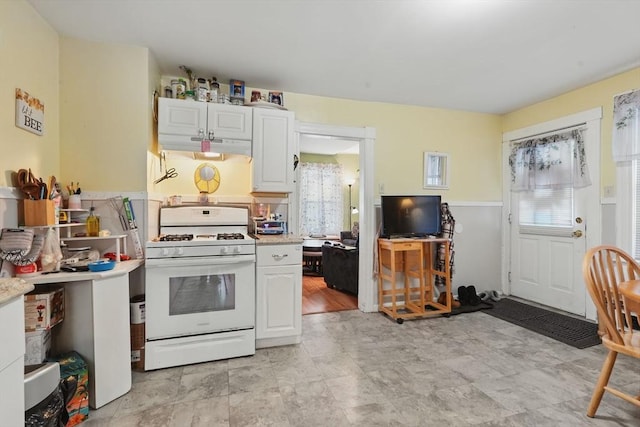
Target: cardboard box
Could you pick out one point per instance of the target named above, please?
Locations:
(43, 307)
(39, 212)
(137, 346)
(38, 345)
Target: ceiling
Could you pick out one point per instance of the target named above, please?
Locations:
(489, 56)
(317, 144)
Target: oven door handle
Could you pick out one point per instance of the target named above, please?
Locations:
(199, 261)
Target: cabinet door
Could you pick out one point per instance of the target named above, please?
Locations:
(279, 302)
(229, 121)
(181, 117)
(273, 149)
(12, 362)
(182, 124)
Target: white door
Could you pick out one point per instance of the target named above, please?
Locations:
(543, 264)
(546, 261)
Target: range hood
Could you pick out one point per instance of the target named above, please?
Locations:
(222, 146)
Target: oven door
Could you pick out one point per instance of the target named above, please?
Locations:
(191, 296)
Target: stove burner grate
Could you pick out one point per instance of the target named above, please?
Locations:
(230, 236)
(175, 237)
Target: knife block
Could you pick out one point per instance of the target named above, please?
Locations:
(39, 212)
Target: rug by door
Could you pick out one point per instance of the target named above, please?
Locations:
(569, 330)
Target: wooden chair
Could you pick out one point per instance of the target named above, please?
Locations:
(603, 268)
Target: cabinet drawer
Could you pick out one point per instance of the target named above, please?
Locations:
(279, 255)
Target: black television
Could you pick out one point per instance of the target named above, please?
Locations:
(411, 216)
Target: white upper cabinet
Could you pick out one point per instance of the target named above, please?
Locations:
(183, 125)
(273, 151)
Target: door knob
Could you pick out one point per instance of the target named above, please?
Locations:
(578, 220)
(577, 233)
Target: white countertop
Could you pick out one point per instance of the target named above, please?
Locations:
(13, 287)
(121, 268)
(277, 239)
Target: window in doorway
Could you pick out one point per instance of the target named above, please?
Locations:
(321, 201)
(544, 173)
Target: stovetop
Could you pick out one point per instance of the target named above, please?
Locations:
(198, 231)
(202, 237)
(175, 237)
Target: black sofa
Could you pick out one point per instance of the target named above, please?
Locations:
(340, 267)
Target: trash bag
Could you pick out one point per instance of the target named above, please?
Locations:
(51, 412)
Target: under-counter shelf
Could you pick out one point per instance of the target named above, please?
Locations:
(121, 247)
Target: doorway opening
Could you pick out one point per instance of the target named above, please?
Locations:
(358, 141)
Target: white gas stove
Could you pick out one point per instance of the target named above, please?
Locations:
(200, 287)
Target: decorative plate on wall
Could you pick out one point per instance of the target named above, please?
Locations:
(207, 178)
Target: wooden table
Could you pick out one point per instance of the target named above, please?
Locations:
(312, 256)
(631, 296)
(414, 258)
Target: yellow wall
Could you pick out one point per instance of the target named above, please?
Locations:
(404, 132)
(105, 115)
(235, 175)
(599, 94)
(153, 87)
(29, 58)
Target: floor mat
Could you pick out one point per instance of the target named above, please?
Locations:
(469, 308)
(574, 332)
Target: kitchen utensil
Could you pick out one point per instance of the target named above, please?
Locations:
(28, 184)
(52, 187)
(171, 173)
(43, 190)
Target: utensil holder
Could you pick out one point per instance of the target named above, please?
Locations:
(74, 201)
(39, 212)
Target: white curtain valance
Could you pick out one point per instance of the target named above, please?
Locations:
(626, 126)
(556, 161)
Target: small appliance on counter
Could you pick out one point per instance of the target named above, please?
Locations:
(265, 226)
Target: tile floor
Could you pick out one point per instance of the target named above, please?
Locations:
(363, 369)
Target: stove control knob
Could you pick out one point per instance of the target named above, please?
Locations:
(237, 249)
(165, 252)
(224, 250)
(178, 251)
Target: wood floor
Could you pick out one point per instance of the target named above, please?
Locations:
(318, 298)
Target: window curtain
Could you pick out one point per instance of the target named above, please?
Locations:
(556, 161)
(321, 201)
(626, 127)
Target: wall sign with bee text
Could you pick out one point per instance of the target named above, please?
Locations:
(29, 112)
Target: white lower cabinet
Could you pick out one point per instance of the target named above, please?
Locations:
(278, 295)
(12, 362)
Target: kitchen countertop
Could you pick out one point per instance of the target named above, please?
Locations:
(277, 239)
(12, 287)
(120, 269)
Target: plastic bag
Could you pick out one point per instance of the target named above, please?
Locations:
(51, 254)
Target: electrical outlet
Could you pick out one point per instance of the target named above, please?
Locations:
(381, 189)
